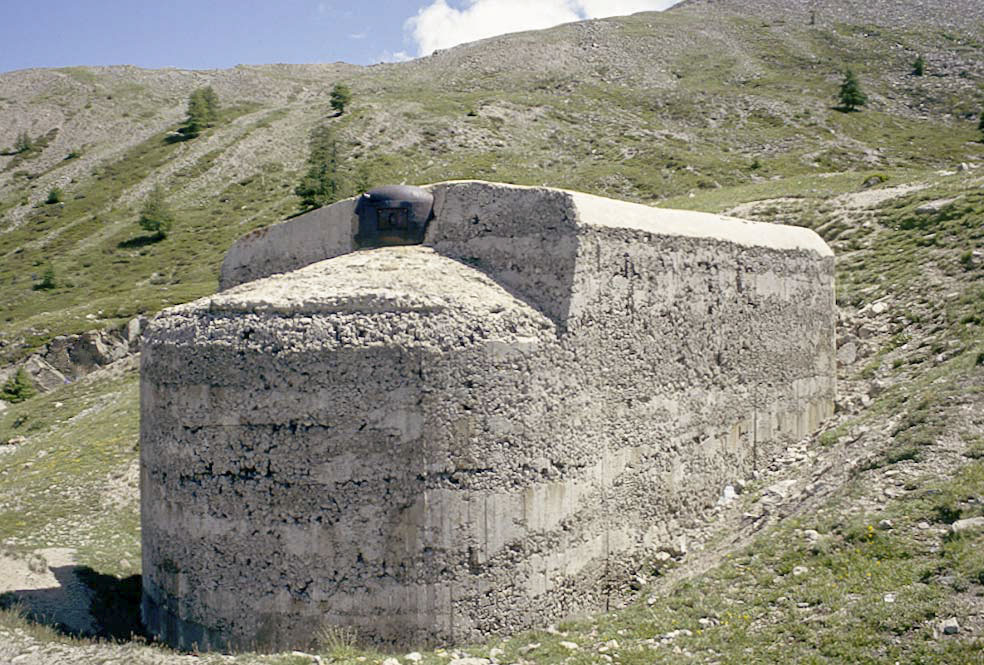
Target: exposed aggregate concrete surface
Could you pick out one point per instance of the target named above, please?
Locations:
(474, 436)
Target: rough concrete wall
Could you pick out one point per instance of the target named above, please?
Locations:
(525, 238)
(429, 452)
(707, 358)
(314, 236)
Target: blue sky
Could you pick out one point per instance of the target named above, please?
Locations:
(207, 34)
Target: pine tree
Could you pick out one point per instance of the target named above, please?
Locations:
(851, 95)
(211, 105)
(197, 115)
(203, 111)
(980, 125)
(919, 66)
(341, 95)
(322, 184)
(156, 216)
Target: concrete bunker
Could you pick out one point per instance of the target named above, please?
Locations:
(477, 435)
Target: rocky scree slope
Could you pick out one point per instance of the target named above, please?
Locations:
(940, 14)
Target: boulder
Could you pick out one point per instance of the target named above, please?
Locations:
(6, 373)
(59, 356)
(133, 330)
(43, 375)
(847, 354)
(933, 207)
(100, 348)
(78, 355)
(969, 525)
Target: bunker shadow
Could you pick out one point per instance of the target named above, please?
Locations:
(86, 603)
(140, 241)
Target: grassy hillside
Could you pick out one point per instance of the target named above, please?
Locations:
(840, 553)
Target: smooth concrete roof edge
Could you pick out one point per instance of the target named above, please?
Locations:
(615, 213)
(599, 211)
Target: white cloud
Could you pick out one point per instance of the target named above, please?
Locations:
(604, 8)
(389, 56)
(440, 25)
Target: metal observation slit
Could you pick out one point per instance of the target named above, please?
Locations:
(393, 215)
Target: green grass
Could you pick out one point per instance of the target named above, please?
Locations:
(106, 266)
(53, 489)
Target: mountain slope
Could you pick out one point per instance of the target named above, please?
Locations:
(642, 107)
(965, 17)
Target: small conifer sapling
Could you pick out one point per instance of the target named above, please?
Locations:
(48, 280)
(156, 216)
(851, 95)
(919, 66)
(18, 388)
(340, 97)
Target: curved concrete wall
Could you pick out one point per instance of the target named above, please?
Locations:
(314, 236)
(436, 443)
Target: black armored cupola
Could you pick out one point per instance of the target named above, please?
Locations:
(393, 215)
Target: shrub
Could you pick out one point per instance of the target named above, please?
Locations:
(874, 179)
(54, 196)
(18, 388)
(48, 280)
(24, 143)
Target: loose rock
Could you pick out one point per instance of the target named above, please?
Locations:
(968, 525)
